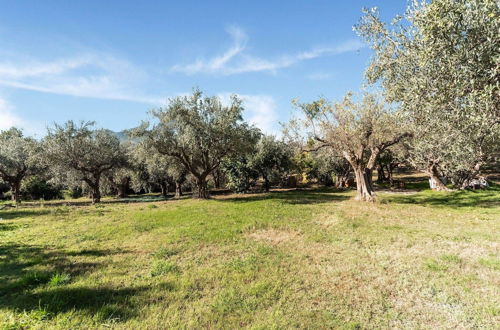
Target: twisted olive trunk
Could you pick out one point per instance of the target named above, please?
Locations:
(267, 186)
(201, 188)
(123, 187)
(15, 187)
(94, 185)
(364, 184)
(433, 173)
(381, 177)
(164, 188)
(96, 194)
(178, 189)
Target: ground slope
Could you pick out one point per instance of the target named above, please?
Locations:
(313, 259)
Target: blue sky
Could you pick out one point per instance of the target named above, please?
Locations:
(112, 61)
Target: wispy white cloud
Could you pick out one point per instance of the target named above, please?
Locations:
(218, 62)
(9, 119)
(91, 75)
(235, 60)
(260, 110)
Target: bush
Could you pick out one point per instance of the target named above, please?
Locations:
(73, 192)
(3, 189)
(37, 188)
(240, 175)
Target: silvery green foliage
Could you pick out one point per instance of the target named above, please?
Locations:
(199, 131)
(19, 158)
(240, 175)
(80, 153)
(155, 168)
(118, 179)
(332, 167)
(272, 159)
(441, 64)
(359, 131)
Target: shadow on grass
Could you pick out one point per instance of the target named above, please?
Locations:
(34, 208)
(20, 213)
(410, 184)
(27, 282)
(316, 196)
(101, 303)
(8, 227)
(455, 199)
(125, 200)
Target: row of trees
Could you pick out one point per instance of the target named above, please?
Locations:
(194, 138)
(438, 69)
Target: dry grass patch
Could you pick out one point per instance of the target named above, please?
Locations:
(274, 236)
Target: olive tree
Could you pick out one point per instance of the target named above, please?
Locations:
(440, 63)
(271, 159)
(360, 131)
(332, 167)
(19, 158)
(118, 179)
(160, 169)
(199, 131)
(83, 153)
(239, 173)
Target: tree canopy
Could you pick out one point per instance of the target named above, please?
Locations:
(359, 131)
(199, 131)
(19, 158)
(440, 63)
(85, 153)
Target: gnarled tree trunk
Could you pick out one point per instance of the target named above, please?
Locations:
(266, 183)
(164, 188)
(15, 187)
(123, 187)
(201, 188)
(178, 189)
(94, 185)
(341, 181)
(381, 177)
(435, 181)
(364, 184)
(96, 193)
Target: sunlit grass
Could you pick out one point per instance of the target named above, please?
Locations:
(307, 259)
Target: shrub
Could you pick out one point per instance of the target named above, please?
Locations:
(38, 188)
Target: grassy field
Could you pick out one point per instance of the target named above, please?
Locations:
(308, 259)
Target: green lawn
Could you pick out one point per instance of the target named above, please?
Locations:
(307, 259)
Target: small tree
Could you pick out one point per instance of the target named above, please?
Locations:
(19, 158)
(271, 159)
(199, 132)
(119, 180)
(161, 170)
(240, 174)
(359, 131)
(332, 167)
(79, 151)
